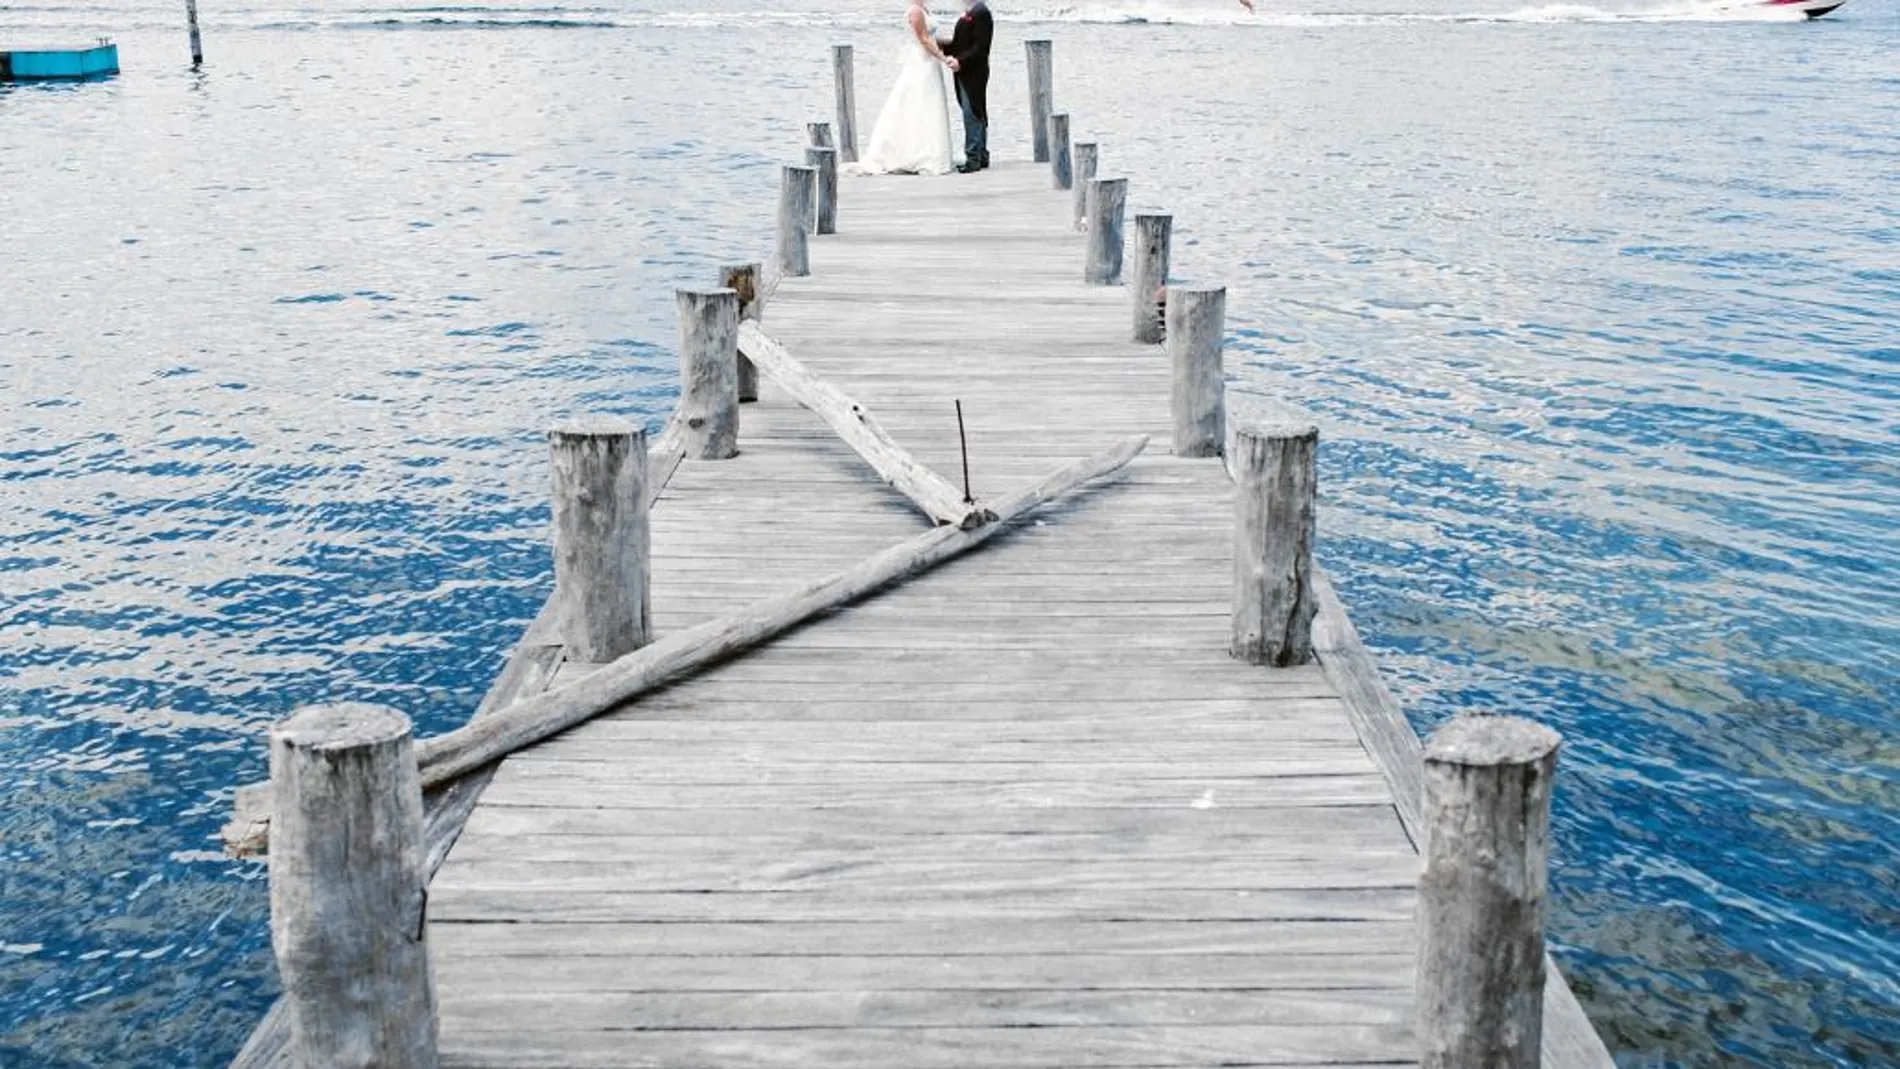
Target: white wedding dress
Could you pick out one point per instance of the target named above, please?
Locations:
(912, 134)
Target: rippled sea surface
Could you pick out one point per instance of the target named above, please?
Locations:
(1599, 310)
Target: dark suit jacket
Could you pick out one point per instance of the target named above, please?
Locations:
(970, 45)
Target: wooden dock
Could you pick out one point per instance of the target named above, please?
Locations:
(1023, 810)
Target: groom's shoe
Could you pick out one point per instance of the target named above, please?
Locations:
(970, 167)
(983, 163)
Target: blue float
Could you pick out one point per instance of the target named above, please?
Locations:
(60, 64)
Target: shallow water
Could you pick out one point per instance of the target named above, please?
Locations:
(1596, 307)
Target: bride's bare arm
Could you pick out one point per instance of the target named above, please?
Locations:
(920, 28)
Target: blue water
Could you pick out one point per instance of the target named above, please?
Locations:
(1599, 309)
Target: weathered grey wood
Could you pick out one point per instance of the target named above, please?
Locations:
(1108, 200)
(1061, 169)
(1275, 482)
(1154, 237)
(795, 200)
(931, 492)
(824, 161)
(1481, 896)
(1041, 66)
(348, 890)
(709, 372)
(820, 133)
(529, 669)
(1197, 323)
(478, 743)
(845, 94)
(1086, 157)
(744, 280)
(197, 39)
(598, 471)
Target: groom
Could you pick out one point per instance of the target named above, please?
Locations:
(969, 52)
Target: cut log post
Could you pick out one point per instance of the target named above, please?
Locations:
(601, 541)
(1481, 895)
(1085, 156)
(1275, 482)
(1197, 321)
(197, 40)
(348, 889)
(743, 279)
(824, 163)
(794, 210)
(932, 493)
(1060, 168)
(528, 721)
(847, 98)
(1108, 199)
(1041, 94)
(820, 134)
(1154, 234)
(709, 373)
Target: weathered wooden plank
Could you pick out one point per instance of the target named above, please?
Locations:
(617, 1010)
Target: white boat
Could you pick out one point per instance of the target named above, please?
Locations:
(1813, 9)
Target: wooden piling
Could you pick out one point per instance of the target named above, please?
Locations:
(1274, 482)
(601, 543)
(743, 279)
(824, 162)
(1196, 323)
(348, 889)
(1041, 93)
(197, 40)
(709, 372)
(1059, 163)
(845, 92)
(1108, 199)
(796, 193)
(1154, 234)
(820, 134)
(1480, 1000)
(1085, 155)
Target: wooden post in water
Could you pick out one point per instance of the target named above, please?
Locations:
(601, 541)
(1041, 93)
(348, 889)
(1480, 998)
(794, 208)
(1059, 165)
(1154, 235)
(1196, 322)
(1085, 155)
(820, 134)
(1274, 486)
(847, 98)
(824, 161)
(1108, 198)
(197, 41)
(709, 371)
(743, 279)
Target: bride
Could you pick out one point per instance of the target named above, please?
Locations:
(912, 135)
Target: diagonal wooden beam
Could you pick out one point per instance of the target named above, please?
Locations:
(932, 493)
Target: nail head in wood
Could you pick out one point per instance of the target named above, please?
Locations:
(1481, 897)
(1274, 470)
(601, 537)
(709, 372)
(1197, 318)
(348, 889)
